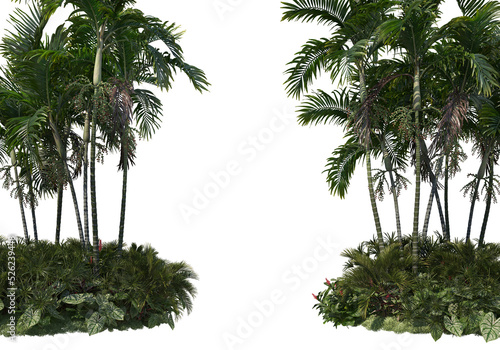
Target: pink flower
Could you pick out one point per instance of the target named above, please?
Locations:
(100, 245)
(315, 297)
(327, 281)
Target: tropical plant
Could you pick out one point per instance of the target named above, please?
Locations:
(347, 55)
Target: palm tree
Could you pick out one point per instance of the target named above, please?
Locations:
(31, 67)
(346, 55)
(5, 109)
(122, 39)
(414, 32)
(467, 73)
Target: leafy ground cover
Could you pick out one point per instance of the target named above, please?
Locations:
(455, 291)
(60, 290)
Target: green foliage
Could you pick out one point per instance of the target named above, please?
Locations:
(58, 291)
(490, 327)
(338, 305)
(456, 292)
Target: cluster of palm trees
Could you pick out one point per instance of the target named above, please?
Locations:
(68, 97)
(410, 92)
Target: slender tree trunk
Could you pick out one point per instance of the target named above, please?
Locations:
(86, 140)
(93, 194)
(488, 203)
(124, 189)
(19, 194)
(479, 177)
(32, 205)
(428, 213)
(363, 95)
(61, 150)
(389, 168)
(59, 211)
(446, 210)
(417, 107)
(376, 218)
(434, 192)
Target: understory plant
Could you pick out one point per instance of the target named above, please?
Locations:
(58, 289)
(455, 293)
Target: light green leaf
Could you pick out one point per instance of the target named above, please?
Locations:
(453, 325)
(75, 299)
(95, 324)
(27, 320)
(1, 305)
(110, 310)
(490, 328)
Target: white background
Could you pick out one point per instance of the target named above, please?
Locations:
(259, 243)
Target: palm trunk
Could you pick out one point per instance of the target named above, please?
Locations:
(428, 213)
(434, 192)
(417, 107)
(479, 177)
(19, 194)
(124, 189)
(446, 210)
(488, 203)
(32, 205)
(376, 218)
(61, 150)
(388, 167)
(59, 211)
(363, 95)
(86, 140)
(93, 193)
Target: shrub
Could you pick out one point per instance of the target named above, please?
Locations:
(58, 287)
(456, 291)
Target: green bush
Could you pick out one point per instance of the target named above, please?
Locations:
(60, 290)
(455, 292)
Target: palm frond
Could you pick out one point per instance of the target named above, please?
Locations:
(148, 109)
(330, 12)
(322, 107)
(341, 166)
(306, 66)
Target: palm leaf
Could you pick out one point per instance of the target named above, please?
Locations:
(330, 12)
(148, 109)
(321, 107)
(306, 66)
(341, 166)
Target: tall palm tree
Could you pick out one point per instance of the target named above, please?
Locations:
(346, 55)
(467, 73)
(122, 41)
(414, 32)
(34, 85)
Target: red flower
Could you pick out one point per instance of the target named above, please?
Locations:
(341, 292)
(91, 260)
(315, 297)
(100, 245)
(327, 281)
